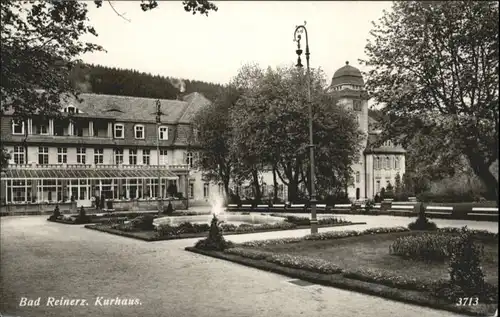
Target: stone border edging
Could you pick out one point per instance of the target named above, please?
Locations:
(342, 282)
(204, 234)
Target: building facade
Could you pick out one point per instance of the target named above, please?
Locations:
(379, 164)
(113, 146)
(109, 146)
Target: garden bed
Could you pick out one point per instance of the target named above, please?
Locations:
(151, 235)
(362, 262)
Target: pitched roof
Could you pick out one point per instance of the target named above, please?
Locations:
(136, 109)
(196, 102)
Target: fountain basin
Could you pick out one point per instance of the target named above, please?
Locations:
(236, 219)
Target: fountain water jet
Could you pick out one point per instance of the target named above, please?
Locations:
(217, 202)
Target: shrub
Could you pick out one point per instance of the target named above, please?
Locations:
(480, 234)
(144, 222)
(82, 216)
(188, 227)
(215, 239)
(422, 223)
(300, 221)
(57, 212)
(166, 230)
(169, 209)
(465, 265)
(370, 203)
(432, 247)
(228, 227)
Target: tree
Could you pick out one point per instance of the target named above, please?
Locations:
(4, 158)
(270, 129)
(434, 68)
(214, 138)
(194, 6)
(41, 43)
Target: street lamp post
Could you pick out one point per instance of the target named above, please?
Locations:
(297, 37)
(158, 121)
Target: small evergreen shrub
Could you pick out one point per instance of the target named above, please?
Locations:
(215, 240)
(169, 209)
(370, 203)
(55, 214)
(465, 265)
(422, 222)
(82, 216)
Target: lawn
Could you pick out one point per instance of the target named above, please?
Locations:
(372, 251)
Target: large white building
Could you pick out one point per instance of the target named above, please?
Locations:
(107, 145)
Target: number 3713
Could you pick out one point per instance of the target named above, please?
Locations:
(467, 301)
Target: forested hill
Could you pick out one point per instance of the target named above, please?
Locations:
(126, 82)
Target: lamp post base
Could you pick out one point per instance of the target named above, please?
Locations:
(314, 220)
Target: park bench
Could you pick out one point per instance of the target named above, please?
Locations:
(439, 211)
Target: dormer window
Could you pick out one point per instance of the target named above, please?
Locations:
(71, 109)
(163, 133)
(119, 133)
(17, 127)
(139, 131)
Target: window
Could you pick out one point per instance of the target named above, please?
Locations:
(206, 190)
(357, 105)
(146, 157)
(387, 163)
(119, 131)
(189, 159)
(43, 155)
(191, 190)
(377, 163)
(132, 157)
(163, 157)
(196, 135)
(42, 127)
(17, 127)
(396, 163)
(358, 176)
(118, 156)
(378, 187)
(139, 131)
(81, 155)
(98, 156)
(19, 155)
(62, 155)
(163, 133)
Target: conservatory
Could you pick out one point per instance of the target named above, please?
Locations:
(82, 183)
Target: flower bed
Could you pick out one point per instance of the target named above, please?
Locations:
(190, 230)
(420, 286)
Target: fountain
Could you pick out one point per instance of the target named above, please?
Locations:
(217, 202)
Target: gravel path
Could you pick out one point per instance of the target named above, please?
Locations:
(43, 259)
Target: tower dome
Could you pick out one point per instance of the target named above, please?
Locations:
(347, 75)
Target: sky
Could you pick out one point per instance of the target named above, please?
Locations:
(171, 42)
